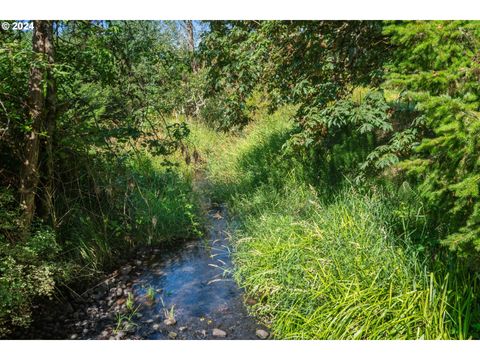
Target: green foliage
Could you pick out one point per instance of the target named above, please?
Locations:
(340, 136)
(436, 66)
(351, 265)
(234, 52)
(28, 269)
(393, 103)
(372, 99)
(115, 183)
(312, 263)
(144, 203)
(305, 62)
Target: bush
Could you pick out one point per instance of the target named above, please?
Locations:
(29, 269)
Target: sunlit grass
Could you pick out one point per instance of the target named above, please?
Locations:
(326, 265)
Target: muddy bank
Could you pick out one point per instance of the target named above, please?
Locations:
(186, 293)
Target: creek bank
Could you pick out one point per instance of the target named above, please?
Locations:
(185, 293)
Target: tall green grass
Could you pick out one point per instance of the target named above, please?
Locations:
(138, 202)
(331, 265)
(336, 271)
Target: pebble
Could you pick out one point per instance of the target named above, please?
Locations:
(155, 326)
(121, 301)
(172, 335)
(219, 333)
(73, 336)
(119, 292)
(169, 321)
(262, 334)
(183, 328)
(201, 333)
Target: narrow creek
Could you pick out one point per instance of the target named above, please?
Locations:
(186, 293)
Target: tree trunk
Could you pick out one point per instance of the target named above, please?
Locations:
(29, 172)
(50, 125)
(191, 43)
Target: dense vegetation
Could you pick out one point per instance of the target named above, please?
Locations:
(347, 151)
(87, 152)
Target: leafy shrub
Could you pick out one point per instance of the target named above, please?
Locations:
(28, 269)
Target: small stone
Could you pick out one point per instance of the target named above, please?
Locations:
(138, 262)
(119, 292)
(201, 333)
(156, 326)
(170, 321)
(148, 321)
(262, 334)
(172, 335)
(183, 328)
(73, 337)
(219, 333)
(120, 335)
(126, 270)
(85, 331)
(121, 301)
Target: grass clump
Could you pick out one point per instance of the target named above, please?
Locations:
(337, 271)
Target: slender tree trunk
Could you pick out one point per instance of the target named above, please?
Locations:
(50, 125)
(191, 43)
(29, 171)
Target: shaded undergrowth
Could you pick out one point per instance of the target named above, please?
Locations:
(115, 205)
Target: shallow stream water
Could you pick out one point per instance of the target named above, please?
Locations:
(185, 293)
(194, 285)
